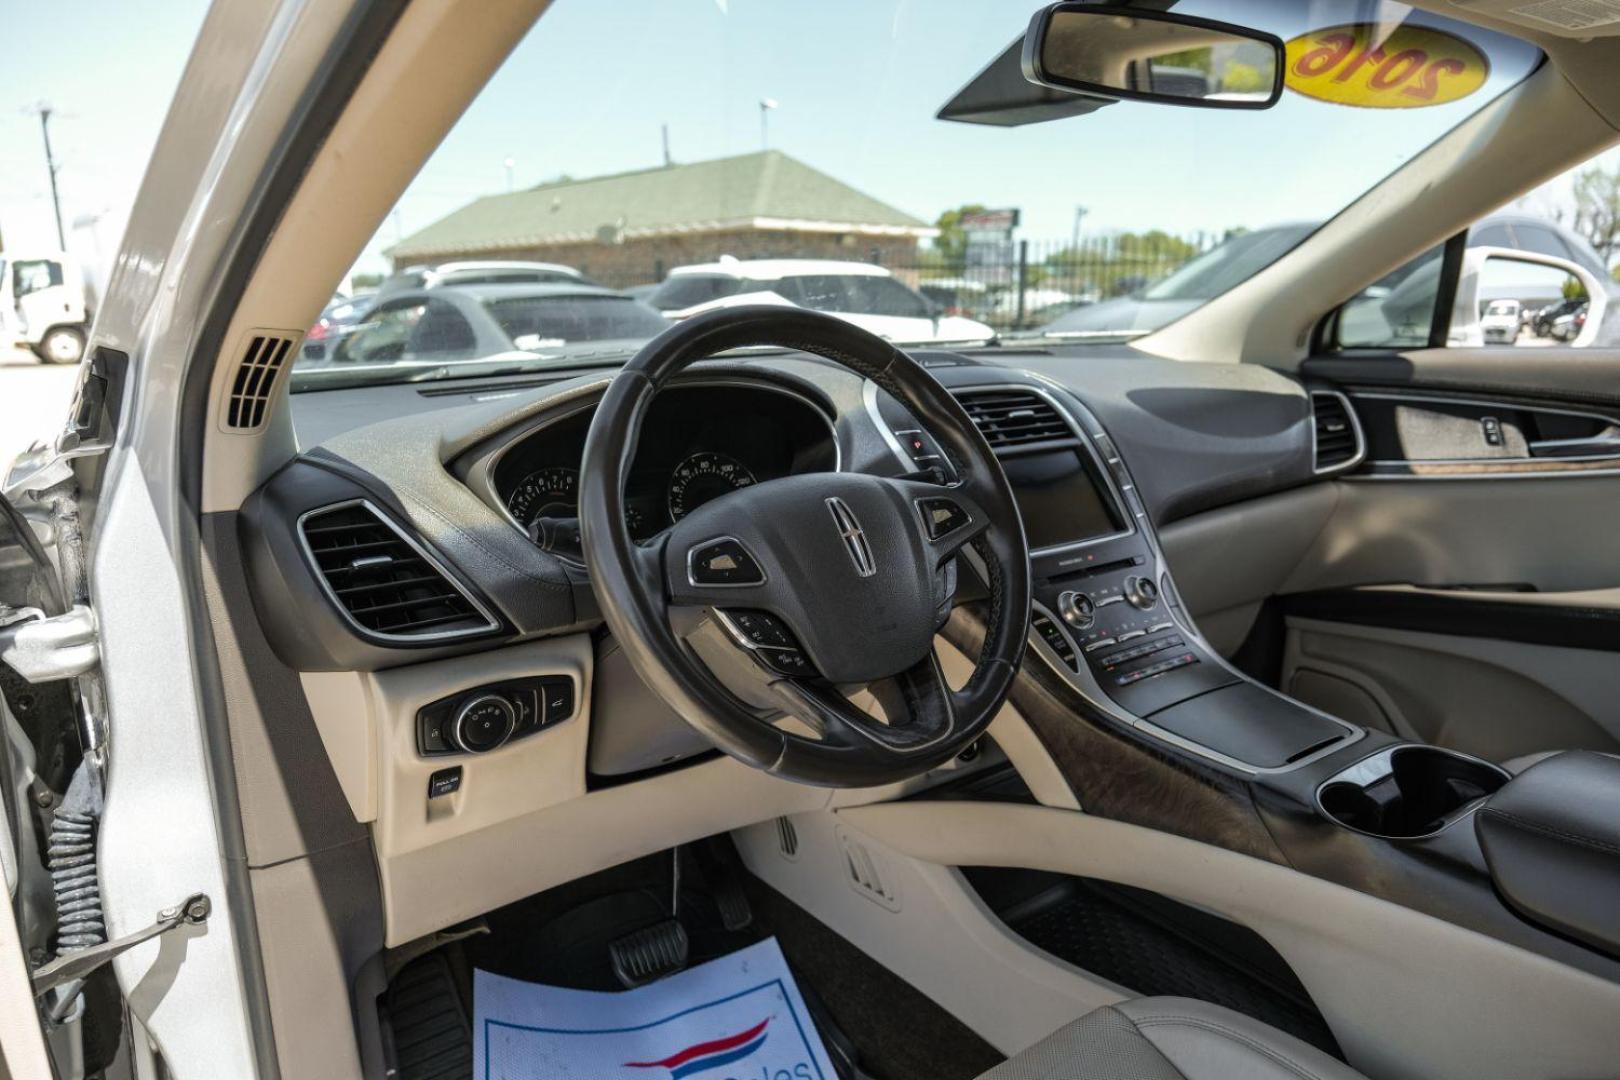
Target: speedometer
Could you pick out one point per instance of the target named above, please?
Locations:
(703, 476)
(549, 492)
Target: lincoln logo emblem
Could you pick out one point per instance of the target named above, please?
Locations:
(854, 537)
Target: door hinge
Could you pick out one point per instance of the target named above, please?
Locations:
(75, 966)
(45, 649)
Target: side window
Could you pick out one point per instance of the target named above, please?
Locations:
(441, 330)
(688, 290)
(1396, 311)
(1544, 290)
(32, 275)
(886, 296)
(821, 292)
(383, 337)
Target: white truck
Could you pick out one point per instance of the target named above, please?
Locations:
(44, 305)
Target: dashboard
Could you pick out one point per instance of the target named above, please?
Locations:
(699, 442)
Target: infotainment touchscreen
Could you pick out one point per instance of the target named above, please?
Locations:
(1060, 499)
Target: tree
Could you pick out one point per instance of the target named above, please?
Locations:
(951, 242)
(1597, 208)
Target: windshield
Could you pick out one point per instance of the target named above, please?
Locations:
(920, 187)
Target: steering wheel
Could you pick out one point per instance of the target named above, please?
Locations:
(826, 580)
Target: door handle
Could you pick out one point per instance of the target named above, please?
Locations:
(1605, 445)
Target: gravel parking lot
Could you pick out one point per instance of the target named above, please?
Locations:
(33, 401)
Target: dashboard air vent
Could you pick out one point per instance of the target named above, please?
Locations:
(386, 584)
(1013, 417)
(1338, 436)
(255, 380)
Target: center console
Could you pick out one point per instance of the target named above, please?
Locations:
(1106, 612)
(1150, 725)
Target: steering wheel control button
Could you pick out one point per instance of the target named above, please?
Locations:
(1142, 593)
(942, 516)
(761, 629)
(444, 782)
(723, 562)
(484, 723)
(1077, 609)
(787, 662)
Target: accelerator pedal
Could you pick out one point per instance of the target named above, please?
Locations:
(650, 954)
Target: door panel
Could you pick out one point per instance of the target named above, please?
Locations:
(1465, 590)
(1495, 699)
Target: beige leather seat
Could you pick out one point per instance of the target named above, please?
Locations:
(1170, 1038)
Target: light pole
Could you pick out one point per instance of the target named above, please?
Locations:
(765, 107)
(44, 109)
(1074, 245)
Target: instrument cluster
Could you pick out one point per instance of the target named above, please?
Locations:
(698, 443)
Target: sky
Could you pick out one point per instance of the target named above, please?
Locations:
(856, 82)
(109, 67)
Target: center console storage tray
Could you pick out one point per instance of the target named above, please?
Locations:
(1252, 725)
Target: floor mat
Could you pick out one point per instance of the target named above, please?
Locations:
(902, 1034)
(742, 1013)
(1153, 946)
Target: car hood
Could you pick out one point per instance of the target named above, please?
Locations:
(1121, 315)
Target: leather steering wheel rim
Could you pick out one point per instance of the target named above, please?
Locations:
(638, 585)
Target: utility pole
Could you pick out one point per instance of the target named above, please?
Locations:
(44, 110)
(667, 160)
(765, 107)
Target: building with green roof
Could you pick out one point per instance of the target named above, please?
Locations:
(631, 227)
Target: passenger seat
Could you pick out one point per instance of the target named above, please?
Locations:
(1170, 1038)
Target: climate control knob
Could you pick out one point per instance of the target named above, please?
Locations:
(483, 724)
(1077, 610)
(1141, 593)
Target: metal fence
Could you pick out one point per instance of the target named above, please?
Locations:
(1028, 283)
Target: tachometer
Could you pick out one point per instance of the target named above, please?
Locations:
(549, 492)
(703, 476)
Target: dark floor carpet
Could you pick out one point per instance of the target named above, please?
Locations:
(901, 1033)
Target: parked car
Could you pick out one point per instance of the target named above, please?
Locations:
(866, 295)
(341, 314)
(1239, 258)
(1501, 321)
(44, 305)
(1208, 275)
(1541, 323)
(480, 272)
(1568, 326)
(468, 322)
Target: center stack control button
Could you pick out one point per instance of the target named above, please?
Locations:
(1141, 592)
(1077, 609)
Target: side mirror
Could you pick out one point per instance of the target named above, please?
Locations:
(1508, 296)
(1141, 55)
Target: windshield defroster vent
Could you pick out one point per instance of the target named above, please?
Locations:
(386, 584)
(1013, 417)
(254, 381)
(1338, 441)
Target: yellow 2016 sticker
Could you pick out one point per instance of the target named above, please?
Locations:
(1384, 67)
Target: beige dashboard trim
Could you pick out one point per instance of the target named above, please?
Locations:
(1406, 994)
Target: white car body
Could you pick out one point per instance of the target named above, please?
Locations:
(43, 304)
(1500, 323)
(769, 274)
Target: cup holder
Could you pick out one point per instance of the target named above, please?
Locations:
(1407, 792)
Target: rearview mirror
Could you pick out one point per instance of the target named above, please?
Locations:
(1122, 52)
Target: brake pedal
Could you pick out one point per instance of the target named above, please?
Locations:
(650, 954)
